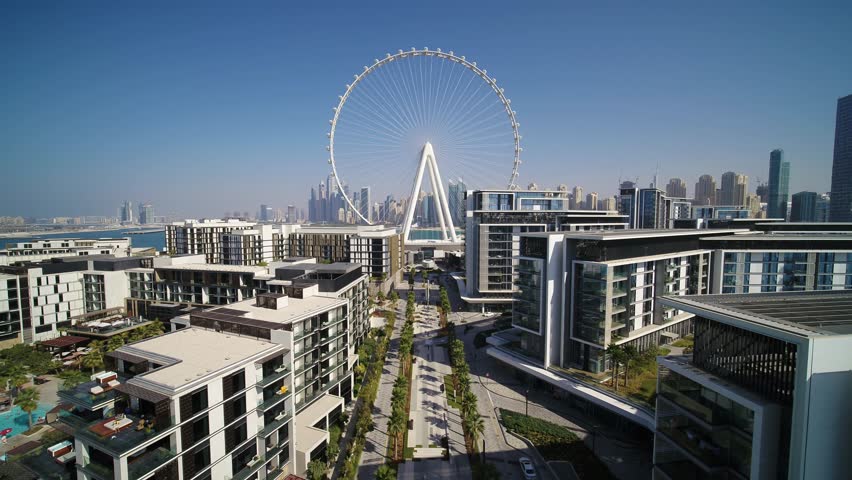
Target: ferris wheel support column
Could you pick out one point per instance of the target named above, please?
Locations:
(433, 168)
(445, 206)
(412, 200)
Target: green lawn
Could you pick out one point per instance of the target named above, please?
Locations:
(556, 442)
(684, 342)
(448, 389)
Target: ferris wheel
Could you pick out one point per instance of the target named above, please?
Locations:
(400, 106)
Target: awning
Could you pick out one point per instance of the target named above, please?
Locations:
(62, 342)
(143, 393)
(669, 335)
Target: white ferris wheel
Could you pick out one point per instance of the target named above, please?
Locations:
(402, 117)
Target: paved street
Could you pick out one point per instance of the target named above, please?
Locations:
(497, 387)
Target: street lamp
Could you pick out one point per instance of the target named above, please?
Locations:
(527, 402)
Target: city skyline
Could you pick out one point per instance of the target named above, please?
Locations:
(125, 93)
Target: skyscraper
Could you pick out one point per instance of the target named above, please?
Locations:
(127, 212)
(734, 189)
(705, 190)
(365, 204)
(841, 170)
(592, 201)
(455, 201)
(823, 207)
(146, 213)
(804, 207)
(577, 198)
(266, 213)
(676, 188)
(779, 181)
(291, 214)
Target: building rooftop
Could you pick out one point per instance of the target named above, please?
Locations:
(296, 309)
(214, 267)
(192, 353)
(807, 314)
(781, 236)
(608, 235)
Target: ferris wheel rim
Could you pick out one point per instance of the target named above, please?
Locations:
(401, 54)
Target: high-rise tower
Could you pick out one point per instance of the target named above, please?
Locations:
(779, 185)
(841, 170)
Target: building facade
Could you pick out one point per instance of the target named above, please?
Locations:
(804, 207)
(705, 190)
(161, 413)
(779, 181)
(676, 188)
(41, 250)
(760, 395)
(841, 170)
(495, 221)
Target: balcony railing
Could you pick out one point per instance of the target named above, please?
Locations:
(116, 441)
(149, 462)
(279, 420)
(273, 377)
(256, 465)
(273, 400)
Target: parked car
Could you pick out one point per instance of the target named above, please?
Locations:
(527, 468)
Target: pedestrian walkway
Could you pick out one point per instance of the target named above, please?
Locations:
(432, 417)
(376, 444)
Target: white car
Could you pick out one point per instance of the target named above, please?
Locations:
(527, 468)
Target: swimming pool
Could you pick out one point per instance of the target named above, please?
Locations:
(16, 419)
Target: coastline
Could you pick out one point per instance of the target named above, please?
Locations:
(107, 228)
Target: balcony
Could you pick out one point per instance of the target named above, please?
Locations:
(305, 333)
(273, 400)
(279, 420)
(96, 470)
(256, 465)
(114, 435)
(276, 375)
(325, 339)
(82, 396)
(331, 351)
(147, 463)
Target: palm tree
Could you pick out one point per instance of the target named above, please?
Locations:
(468, 404)
(630, 356)
(17, 377)
(94, 359)
(616, 354)
(155, 328)
(316, 470)
(114, 343)
(385, 473)
(395, 428)
(71, 378)
(475, 426)
(28, 401)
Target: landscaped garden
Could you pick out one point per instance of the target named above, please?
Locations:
(556, 442)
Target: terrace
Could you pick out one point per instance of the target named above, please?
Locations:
(146, 416)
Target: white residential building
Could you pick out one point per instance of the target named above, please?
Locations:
(40, 250)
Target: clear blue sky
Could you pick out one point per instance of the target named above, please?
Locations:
(205, 109)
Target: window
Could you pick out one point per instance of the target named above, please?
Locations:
(201, 428)
(201, 458)
(199, 401)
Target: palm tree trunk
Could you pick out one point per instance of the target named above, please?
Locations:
(30, 419)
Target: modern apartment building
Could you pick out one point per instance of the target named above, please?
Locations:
(708, 212)
(196, 403)
(764, 393)
(580, 292)
(803, 208)
(380, 252)
(192, 237)
(495, 221)
(778, 260)
(378, 248)
(171, 287)
(705, 190)
(734, 189)
(46, 296)
(40, 250)
(650, 207)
